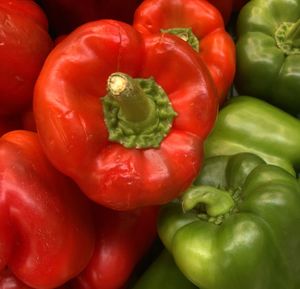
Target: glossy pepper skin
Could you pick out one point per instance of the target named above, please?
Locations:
(122, 239)
(46, 227)
(163, 274)
(248, 124)
(9, 281)
(24, 45)
(122, 152)
(236, 227)
(213, 45)
(268, 52)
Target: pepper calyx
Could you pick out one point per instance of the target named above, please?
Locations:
(137, 112)
(185, 34)
(287, 37)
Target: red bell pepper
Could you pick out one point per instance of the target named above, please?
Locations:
(122, 240)
(66, 15)
(24, 45)
(200, 24)
(46, 228)
(123, 115)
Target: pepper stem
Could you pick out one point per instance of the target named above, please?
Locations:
(287, 37)
(186, 34)
(137, 111)
(293, 34)
(217, 202)
(135, 106)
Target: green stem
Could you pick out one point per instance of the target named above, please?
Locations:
(135, 106)
(137, 112)
(293, 34)
(287, 37)
(217, 202)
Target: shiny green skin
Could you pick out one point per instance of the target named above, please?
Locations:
(248, 124)
(163, 274)
(257, 244)
(265, 70)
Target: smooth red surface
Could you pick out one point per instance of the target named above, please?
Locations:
(24, 45)
(70, 122)
(123, 238)
(46, 227)
(9, 281)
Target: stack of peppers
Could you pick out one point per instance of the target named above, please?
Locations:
(149, 144)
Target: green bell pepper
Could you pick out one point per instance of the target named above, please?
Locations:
(163, 274)
(268, 52)
(248, 124)
(237, 227)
